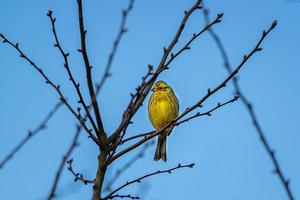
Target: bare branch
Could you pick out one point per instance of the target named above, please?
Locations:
(78, 176)
(208, 113)
(138, 180)
(210, 92)
(123, 196)
(101, 133)
(55, 87)
(194, 37)
(30, 134)
(74, 144)
(116, 144)
(249, 107)
(116, 43)
(67, 67)
(135, 95)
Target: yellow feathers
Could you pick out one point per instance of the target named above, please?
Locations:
(163, 107)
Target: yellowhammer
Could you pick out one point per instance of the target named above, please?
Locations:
(163, 107)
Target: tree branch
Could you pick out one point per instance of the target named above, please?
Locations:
(78, 176)
(101, 171)
(101, 133)
(30, 134)
(194, 37)
(138, 180)
(208, 113)
(67, 67)
(123, 196)
(249, 108)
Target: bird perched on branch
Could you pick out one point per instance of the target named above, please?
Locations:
(163, 107)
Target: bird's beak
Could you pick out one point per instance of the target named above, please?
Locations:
(152, 90)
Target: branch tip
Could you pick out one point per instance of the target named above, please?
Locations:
(49, 13)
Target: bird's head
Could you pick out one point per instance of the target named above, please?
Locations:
(161, 86)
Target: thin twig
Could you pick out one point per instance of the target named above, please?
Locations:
(30, 134)
(78, 176)
(67, 67)
(55, 87)
(117, 144)
(122, 31)
(101, 133)
(249, 106)
(128, 196)
(208, 113)
(194, 37)
(210, 92)
(74, 144)
(133, 96)
(138, 180)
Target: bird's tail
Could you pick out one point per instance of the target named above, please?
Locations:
(161, 148)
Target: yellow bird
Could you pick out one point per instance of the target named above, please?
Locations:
(163, 107)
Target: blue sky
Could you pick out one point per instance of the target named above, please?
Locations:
(230, 161)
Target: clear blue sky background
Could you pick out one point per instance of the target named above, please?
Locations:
(231, 163)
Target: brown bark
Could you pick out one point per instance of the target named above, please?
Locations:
(97, 188)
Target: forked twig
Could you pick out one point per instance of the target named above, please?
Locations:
(78, 176)
(138, 180)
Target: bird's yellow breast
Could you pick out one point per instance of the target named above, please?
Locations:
(162, 108)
